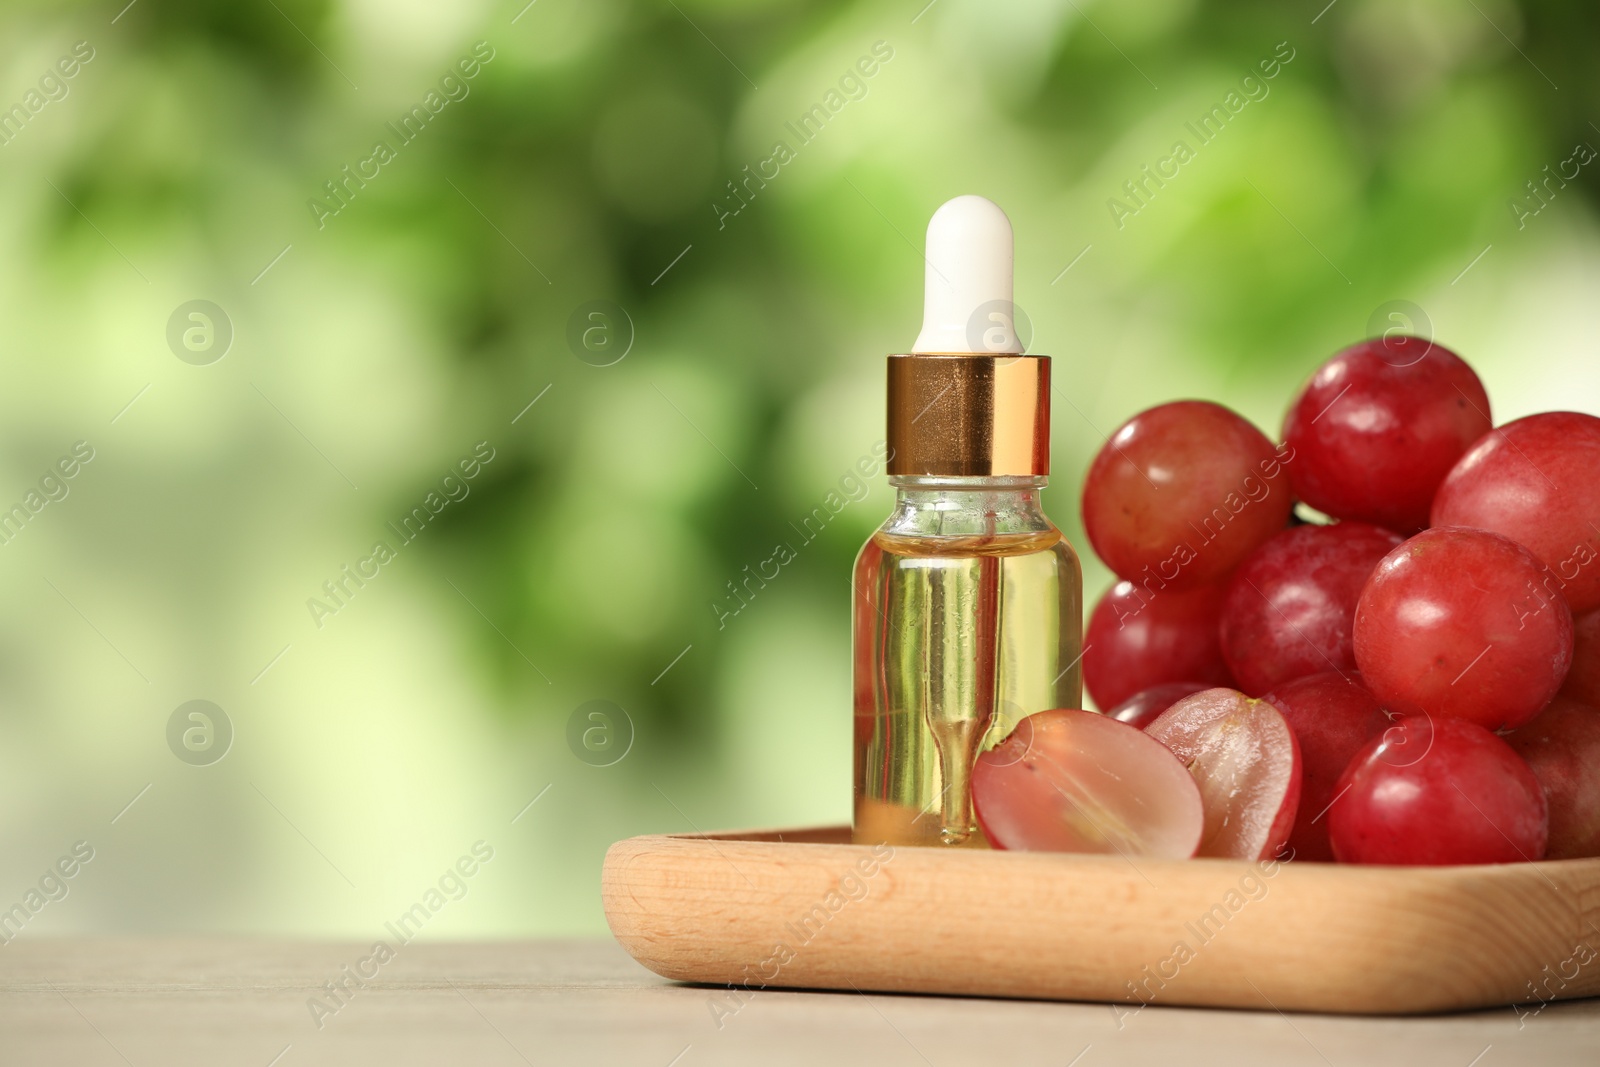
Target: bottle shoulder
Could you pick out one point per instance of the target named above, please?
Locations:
(967, 520)
(1019, 543)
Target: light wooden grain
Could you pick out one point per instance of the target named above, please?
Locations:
(731, 909)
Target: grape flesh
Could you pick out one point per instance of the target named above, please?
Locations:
(1290, 608)
(1460, 622)
(1181, 493)
(1438, 791)
(1379, 426)
(1333, 716)
(1535, 480)
(1245, 758)
(1139, 637)
(1077, 781)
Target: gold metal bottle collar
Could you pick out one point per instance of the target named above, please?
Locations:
(969, 415)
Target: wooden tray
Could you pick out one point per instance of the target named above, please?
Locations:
(806, 909)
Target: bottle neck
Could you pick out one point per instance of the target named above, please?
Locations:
(967, 506)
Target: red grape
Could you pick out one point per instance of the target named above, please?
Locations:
(1246, 759)
(1379, 425)
(1075, 781)
(1534, 480)
(1583, 680)
(1290, 606)
(1141, 709)
(1183, 492)
(1431, 792)
(1332, 716)
(1138, 638)
(1459, 622)
(1562, 745)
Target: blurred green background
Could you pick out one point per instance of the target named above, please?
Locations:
(589, 158)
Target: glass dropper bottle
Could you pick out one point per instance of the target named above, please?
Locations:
(967, 600)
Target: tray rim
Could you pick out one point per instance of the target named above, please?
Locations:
(755, 836)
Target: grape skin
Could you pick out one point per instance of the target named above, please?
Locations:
(1583, 680)
(1290, 608)
(1459, 622)
(1379, 426)
(1535, 481)
(1333, 716)
(1181, 493)
(1137, 638)
(1562, 746)
(1428, 792)
(1145, 706)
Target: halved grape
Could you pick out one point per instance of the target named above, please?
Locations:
(1076, 781)
(1379, 426)
(1333, 716)
(1143, 708)
(1290, 607)
(1562, 746)
(1534, 480)
(1182, 492)
(1437, 791)
(1246, 761)
(1460, 622)
(1138, 638)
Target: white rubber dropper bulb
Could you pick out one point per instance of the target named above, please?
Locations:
(967, 304)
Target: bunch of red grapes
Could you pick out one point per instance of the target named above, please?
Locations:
(1405, 669)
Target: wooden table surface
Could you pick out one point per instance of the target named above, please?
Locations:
(224, 1003)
